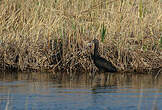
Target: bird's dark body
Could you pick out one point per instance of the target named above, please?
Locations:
(104, 65)
(101, 63)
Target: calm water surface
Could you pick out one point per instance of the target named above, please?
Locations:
(40, 92)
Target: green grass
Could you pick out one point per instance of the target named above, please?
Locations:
(160, 42)
(103, 33)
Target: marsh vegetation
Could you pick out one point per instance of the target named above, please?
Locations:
(34, 34)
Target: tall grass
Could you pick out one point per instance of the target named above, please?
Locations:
(160, 42)
(129, 31)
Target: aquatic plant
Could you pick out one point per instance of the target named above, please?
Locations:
(103, 33)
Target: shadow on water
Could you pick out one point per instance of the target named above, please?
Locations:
(44, 91)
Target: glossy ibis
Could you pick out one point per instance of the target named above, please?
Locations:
(101, 63)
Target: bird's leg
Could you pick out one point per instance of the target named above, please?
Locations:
(108, 78)
(102, 76)
(96, 80)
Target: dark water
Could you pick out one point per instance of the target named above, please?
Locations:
(39, 92)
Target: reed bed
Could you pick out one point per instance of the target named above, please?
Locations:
(31, 31)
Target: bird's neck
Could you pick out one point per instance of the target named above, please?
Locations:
(96, 53)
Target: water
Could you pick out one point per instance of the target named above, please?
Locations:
(40, 92)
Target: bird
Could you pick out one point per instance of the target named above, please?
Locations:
(101, 63)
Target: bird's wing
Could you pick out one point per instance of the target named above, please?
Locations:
(103, 63)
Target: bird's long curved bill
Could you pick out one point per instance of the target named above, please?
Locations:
(89, 44)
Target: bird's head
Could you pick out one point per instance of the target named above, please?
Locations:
(94, 41)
